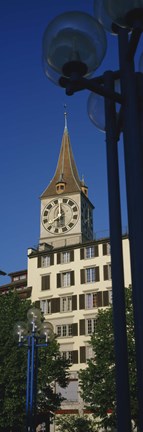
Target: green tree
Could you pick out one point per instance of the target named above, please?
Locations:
(13, 367)
(97, 381)
(75, 423)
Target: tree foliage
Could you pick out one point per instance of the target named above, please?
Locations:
(75, 423)
(97, 381)
(13, 367)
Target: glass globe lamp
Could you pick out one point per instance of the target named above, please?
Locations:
(47, 331)
(103, 17)
(96, 110)
(34, 318)
(20, 330)
(73, 43)
(124, 12)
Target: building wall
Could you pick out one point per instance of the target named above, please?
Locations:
(70, 307)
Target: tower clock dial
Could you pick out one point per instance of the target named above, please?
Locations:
(60, 215)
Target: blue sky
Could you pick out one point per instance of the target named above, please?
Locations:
(31, 128)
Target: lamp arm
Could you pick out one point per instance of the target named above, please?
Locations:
(92, 84)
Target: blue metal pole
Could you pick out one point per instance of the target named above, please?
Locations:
(134, 183)
(35, 382)
(28, 381)
(32, 380)
(119, 317)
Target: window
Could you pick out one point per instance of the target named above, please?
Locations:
(89, 252)
(89, 352)
(66, 279)
(90, 325)
(69, 393)
(67, 355)
(66, 304)
(65, 257)
(107, 271)
(106, 248)
(60, 187)
(45, 261)
(23, 277)
(90, 274)
(64, 330)
(15, 278)
(110, 297)
(45, 306)
(91, 300)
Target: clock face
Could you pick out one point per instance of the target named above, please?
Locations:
(60, 215)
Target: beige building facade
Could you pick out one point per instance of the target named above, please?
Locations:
(70, 271)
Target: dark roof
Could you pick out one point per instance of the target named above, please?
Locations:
(66, 169)
(18, 273)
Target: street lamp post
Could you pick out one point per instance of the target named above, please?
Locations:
(74, 45)
(30, 334)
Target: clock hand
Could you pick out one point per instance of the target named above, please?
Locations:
(53, 220)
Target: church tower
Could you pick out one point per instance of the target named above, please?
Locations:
(66, 212)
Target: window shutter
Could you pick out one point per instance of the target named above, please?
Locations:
(52, 259)
(74, 302)
(58, 280)
(105, 272)
(99, 299)
(82, 276)
(45, 282)
(75, 329)
(23, 296)
(81, 301)
(75, 357)
(82, 327)
(82, 354)
(55, 305)
(104, 248)
(97, 274)
(105, 298)
(72, 277)
(58, 258)
(82, 253)
(39, 261)
(72, 255)
(96, 251)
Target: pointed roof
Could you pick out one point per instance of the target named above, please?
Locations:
(66, 171)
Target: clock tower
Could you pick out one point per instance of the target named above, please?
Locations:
(66, 212)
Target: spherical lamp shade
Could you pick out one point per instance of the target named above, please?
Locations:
(46, 331)
(20, 330)
(96, 109)
(34, 317)
(73, 37)
(123, 12)
(102, 16)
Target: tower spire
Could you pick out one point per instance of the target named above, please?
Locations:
(66, 178)
(65, 115)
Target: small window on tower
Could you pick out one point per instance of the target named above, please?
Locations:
(60, 187)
